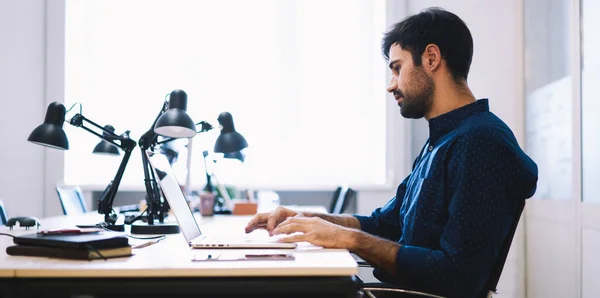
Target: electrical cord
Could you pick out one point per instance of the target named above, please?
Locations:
(130, 221)
(9, 235)
(159, 237)
(80, 107)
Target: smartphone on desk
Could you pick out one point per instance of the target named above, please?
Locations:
(241, 257)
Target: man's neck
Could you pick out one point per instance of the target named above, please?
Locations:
(449, 97)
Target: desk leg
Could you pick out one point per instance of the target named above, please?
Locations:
(4, 288)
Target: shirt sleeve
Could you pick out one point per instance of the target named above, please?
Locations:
(385, 221)
(486, 180)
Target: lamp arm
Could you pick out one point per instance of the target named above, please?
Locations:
(155, 205)
(148, 139)
(209, 186)
(105, 202)
(205, 126)
(107, 135)
(165, 107)
(161, 206)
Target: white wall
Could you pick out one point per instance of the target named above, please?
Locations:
(496, 73)
(22, 73)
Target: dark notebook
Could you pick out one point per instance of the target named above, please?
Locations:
(81, 241)
(42, 251)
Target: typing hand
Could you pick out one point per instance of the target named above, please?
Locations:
(269, 221)
(316, 231)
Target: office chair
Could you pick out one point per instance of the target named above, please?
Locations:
(3, 217)
(71, 199)
(367, 289)
(342, 196)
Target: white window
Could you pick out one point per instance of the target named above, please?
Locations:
(304, 81)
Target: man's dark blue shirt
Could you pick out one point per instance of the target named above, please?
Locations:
(452, 213)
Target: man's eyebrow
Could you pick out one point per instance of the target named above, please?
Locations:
(393, 62)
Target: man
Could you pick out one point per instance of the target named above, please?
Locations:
(443, 230)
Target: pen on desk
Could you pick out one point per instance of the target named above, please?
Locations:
(146, 244)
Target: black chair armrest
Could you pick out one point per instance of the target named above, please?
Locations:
(371, 289)
(399, 292)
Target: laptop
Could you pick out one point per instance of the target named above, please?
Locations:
(186, 219)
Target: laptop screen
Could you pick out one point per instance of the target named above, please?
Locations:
(174, 195)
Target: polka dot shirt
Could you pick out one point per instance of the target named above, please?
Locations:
(452, 213)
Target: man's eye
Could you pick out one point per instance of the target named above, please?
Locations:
(397, 69)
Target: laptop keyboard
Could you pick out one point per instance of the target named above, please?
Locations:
(217, 240)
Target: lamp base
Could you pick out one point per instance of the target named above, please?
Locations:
(114, 227)
(155, 229)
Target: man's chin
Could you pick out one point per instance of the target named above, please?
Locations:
(410, 114)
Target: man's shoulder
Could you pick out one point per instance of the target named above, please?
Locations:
(485, 127)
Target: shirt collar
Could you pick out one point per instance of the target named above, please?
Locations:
(441, 125)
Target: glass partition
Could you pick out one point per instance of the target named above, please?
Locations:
(548, 93)
(590, 101)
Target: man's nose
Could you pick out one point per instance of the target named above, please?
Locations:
(392, 86)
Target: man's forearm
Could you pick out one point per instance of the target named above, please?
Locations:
(344, 220)
(378, 252)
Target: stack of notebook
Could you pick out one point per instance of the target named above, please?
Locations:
(81, 246)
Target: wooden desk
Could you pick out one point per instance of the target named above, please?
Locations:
(166, 267)
(6, 268)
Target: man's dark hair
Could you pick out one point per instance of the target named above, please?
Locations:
(434, 26)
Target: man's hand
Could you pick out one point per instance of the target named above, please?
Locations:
(269, 221)
(316, 231)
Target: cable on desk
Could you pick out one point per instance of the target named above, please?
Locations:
(9, 235)
(135, 218)
(159, 237)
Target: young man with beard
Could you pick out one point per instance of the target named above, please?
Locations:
(443, 230)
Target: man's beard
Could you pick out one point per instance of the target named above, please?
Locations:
(416, 104)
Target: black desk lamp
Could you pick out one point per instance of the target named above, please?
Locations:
(230, 142)
(51, 134)
(235, 155)
(172, 122)
(104, 147)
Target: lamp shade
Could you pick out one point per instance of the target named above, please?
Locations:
(236, 155)
(51, 133)
(175, 122)
(229, 141)
(104, 147)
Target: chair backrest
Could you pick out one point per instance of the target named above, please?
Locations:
(492, 281)
(342, 196)
(3, 217)
(71, 199)
(490, 285)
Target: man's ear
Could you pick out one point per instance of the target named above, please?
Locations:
(432, 57)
